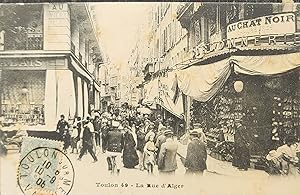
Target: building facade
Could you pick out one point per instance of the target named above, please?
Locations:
(50, 60)
(243, 67)
(161, 48)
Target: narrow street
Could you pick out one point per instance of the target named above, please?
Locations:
(206, 94)
(96, 176)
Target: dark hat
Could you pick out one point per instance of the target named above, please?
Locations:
(168, 132)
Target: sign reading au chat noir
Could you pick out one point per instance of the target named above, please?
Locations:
(265, 25)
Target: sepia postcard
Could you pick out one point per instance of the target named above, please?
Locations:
(195, 98)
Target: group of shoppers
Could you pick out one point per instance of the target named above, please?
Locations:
(131, 138)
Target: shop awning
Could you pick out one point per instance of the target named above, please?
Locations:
(166, 102)
(203, 82)
(265, 65)
(151, 91)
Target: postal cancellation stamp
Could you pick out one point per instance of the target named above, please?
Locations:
(45, 170)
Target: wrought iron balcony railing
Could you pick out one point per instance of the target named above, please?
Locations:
(24, 42)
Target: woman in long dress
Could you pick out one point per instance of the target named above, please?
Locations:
(130, 157)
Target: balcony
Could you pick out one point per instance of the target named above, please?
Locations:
(184, 13)
(23, 27)
(23, 42)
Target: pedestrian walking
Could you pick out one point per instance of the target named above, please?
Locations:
(167, 163)
(97, 127)
(114, 147)
(92, 130)
(130, 157)
(149, 153)
(75, 136)
(140, 146)
(74, 139)
(161, 138)
(104, 131)
(87, 142)
(241, 148)
(66, 137)
(62, 125)
(196, 156)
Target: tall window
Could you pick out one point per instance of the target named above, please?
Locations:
(197, 30)
(232, 13)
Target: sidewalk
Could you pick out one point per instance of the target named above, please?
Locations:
(223, 167)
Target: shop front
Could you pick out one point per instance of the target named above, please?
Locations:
(35, 91)
(261, 91)
(251, 76)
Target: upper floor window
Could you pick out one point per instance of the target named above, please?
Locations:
(232, 13)
(252, 10)
(22, 26)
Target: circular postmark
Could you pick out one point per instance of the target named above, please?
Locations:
(46, 170)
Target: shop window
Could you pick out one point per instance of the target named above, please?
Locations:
(23, 27)
(23, 96)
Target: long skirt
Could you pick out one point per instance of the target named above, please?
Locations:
(130, 158)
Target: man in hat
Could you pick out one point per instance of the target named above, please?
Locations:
(196, 156)
(167, 163)
(62, 125)
(87, 142)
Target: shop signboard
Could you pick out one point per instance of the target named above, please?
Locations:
(29, 63)
(278, 29)
(265, 25)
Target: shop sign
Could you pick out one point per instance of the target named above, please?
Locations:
(153, 60)
(31, 63)
(278, 29)
(21, 62)
(265, 25)
(288, 39)
(59, 7)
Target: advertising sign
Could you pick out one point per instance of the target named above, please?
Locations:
(271, 24)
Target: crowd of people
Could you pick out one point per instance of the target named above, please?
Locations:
(133, 139)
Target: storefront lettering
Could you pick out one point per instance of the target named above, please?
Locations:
(20, 63)
(271, 24)
(268, 40)
(58, 6)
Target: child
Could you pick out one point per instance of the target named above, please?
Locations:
(149, 153)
